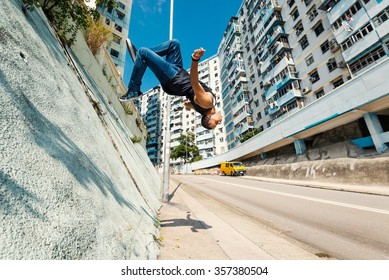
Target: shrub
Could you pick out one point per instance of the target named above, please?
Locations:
(68, 16)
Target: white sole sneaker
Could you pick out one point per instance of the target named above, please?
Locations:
(131, 49)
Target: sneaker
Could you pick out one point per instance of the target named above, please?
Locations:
(130, 95)
(131, 49)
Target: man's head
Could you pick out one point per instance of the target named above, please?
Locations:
(210, 121)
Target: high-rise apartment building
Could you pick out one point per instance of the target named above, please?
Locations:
(150, 108)
(211, 142)
(235, 92)
(153, 109)
(118, 21)
(297, 51)
(277, 57)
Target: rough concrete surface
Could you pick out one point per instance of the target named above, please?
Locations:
(72, 184)
(342, 170)
(340, 163)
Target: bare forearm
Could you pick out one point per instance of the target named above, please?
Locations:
(194, 75)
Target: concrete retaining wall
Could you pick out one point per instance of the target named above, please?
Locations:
(343, 170)
(72, 183)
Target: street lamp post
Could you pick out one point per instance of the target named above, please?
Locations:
(166, 138)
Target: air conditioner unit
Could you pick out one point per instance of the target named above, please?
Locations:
(341, 64)
(306, 89)
(334, 46)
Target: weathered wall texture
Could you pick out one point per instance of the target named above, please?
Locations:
(72, 184)
(337, 163)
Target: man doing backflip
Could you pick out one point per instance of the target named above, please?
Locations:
(165, 61)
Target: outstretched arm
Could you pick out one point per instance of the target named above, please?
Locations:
(203, 98)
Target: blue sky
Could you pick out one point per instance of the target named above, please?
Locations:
(197, 23)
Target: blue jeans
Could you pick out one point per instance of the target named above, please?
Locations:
(163, 68)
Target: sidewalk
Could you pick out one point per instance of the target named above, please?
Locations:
(197, 227)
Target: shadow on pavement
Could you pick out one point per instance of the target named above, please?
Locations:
(172, 194)
(189, 222)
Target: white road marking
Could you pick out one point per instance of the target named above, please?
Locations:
(353, 206)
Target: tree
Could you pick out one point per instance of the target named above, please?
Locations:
(186, 150)
(68, 16)
(249, 134)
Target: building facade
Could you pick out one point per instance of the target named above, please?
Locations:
(310, 66)
(118, 21)
(236, 96)
(295, 52)
(278, 57)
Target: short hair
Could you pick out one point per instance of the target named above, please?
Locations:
(205, 121)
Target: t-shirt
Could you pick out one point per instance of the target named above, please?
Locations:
(180, 85)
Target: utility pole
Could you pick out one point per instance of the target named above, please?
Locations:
(166, 137)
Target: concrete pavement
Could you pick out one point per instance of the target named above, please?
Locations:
(197, 227)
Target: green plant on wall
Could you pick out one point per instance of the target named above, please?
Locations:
(68, 16)
(136, 139)
(96, 35)
(127, 109)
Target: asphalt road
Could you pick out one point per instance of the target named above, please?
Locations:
(342, 224)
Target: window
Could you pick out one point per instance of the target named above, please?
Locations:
(331, 64)
(325, 47)
(338, 82)
(299, 28)
(120, 15)
(121, 6)
(357, 36)
(312, 13)
(118, 27)
(290, 3)
(314, 77)
(114, 53)
(367, 60)
(381, 17)
(350, 12)
(309, 59)
(117, 39)
(307, 2)
(295, 14)
(318, 29)
(304, 42)
(107, 21)
(319, 93)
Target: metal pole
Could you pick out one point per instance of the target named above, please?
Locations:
(166, 138)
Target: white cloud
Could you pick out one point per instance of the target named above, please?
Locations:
(159, 5)
(151, 6)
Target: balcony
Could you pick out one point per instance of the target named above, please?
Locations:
(290, 95)
(281, 65)
(360, 46)
(206, 146)
(239, 105)
(271, 91)
(284, 116)
(152, 123)
(240, 117)
(360, 19)
(285, 81)
(207, 135)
